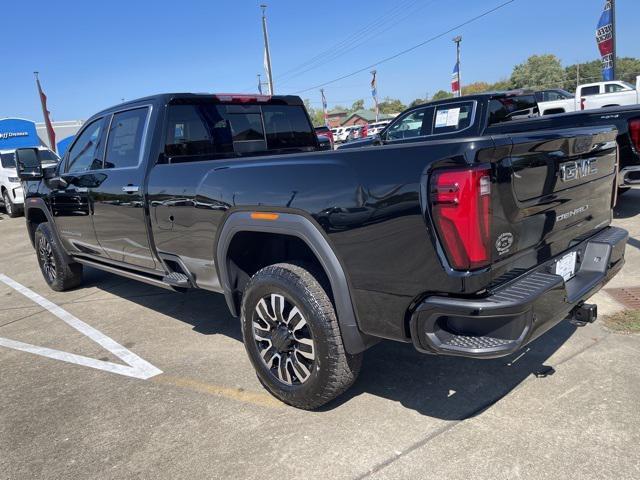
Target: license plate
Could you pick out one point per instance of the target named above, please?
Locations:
(566, 266)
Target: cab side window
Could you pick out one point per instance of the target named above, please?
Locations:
(588, 91)
(125, 138)
(453, 117)
(414, 124)
(86, 152)
(613, 88)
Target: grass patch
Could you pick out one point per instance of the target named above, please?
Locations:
(627, 321)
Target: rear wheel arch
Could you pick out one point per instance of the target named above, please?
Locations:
(299, 234)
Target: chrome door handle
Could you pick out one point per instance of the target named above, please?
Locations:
(131, 189)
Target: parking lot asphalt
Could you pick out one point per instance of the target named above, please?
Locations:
(206, 415)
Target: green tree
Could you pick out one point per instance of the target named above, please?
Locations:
(357, 105)
(391, 105)
(441, 95)
(476, 87)
(589, 72)
(539, 71)
(418, 101)
(627, 69)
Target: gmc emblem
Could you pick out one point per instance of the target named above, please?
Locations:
(578, 169)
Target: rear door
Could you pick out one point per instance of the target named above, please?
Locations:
(119, 210)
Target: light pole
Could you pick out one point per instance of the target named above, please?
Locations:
(267, 53)
(457, 41)
(613, 28)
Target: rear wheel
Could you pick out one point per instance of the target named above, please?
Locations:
(12, 210)
(59, 274)
(292, 337)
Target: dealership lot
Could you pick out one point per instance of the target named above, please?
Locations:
(201, 413)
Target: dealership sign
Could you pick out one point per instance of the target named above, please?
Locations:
(17, 133)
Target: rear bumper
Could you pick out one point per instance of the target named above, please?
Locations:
(518, 312)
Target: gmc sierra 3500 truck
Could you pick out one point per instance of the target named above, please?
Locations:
(471, 246)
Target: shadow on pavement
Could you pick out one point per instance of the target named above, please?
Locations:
(447, 388)
(628, 204)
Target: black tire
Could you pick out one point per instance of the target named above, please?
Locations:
(331, 371)
(12, 210)
(59, 274)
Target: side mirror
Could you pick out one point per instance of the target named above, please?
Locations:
(28, 164)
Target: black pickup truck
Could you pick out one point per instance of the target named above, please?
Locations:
(470, 246)
(490, 113)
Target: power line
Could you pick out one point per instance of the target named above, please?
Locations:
(410, 49)
(354, 36)
(388, 25)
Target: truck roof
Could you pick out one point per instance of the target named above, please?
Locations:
(292, 100)
(482, 96)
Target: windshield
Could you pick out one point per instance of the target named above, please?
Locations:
(8, 160)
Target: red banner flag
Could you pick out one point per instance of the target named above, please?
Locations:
(51, 134)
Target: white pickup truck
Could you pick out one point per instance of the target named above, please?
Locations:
(589, 96)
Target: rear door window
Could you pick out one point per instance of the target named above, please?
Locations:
(125, 138)
(588, 91)
(453, 117)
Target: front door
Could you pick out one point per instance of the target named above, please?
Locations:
(119, 210)
(71, 206)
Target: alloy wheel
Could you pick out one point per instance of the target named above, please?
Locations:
(284, 339)
(47, 260)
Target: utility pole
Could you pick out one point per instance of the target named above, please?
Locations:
(260, 84)
(267, 53)
(577, 76)
(613, 28)
(457, 41)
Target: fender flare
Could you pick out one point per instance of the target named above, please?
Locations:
(299, 226)
(31, 204)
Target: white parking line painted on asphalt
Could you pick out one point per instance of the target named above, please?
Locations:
(136, 367)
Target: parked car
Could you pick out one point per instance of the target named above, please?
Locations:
(593, 95)
(325, 132)
(470, 245)
(475, 116)
(356, 131)
(11, 194)
(340, 134)
(377, 127)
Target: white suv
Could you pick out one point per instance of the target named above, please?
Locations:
(11, 195)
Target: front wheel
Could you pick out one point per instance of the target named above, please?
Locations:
(292, 337)
(59, 274)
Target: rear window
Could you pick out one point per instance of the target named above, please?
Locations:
(507, 109)
(222, 131)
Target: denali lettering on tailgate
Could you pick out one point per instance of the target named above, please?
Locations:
(578, 169)
(572, 213)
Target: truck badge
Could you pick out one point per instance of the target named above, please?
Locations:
(578, 169)
(504, 243)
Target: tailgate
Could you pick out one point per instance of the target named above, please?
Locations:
(554, 187)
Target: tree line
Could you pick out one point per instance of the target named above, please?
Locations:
(538, 72)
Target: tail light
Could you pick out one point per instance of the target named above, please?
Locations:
(461, 201)
(634, 131)
(582, 103)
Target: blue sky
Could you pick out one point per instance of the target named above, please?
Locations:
(90, 58)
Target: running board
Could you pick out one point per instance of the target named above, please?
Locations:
(156, 282)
